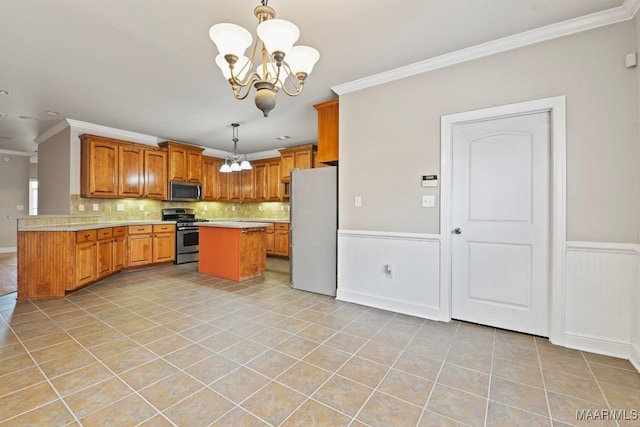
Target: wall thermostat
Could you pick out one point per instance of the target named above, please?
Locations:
(429, 180)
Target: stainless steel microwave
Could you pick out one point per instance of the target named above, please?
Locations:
(184, 192)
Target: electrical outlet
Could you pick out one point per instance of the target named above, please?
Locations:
(204, 208)
(96, 207)
(120, 207)
(80, 208)
(387, 270)
(141, 208)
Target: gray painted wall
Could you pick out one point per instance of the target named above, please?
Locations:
(14, 188)
(54, 164)
(390, 134)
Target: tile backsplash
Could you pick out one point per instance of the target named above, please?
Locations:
(145, 209)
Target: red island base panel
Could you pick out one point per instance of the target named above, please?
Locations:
(232, 253)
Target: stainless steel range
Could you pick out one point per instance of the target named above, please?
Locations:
(187, 233)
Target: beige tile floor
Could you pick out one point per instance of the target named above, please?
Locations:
(168, 346)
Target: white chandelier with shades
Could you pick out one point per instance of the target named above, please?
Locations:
(278, 64)
(236, 162)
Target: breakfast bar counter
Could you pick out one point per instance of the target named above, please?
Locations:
(232, 250)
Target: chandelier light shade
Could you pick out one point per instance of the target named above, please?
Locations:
(273, 64)
(236, 162)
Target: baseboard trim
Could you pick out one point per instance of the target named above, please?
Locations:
(635, 356)
(8, 250)
(403, 307)
(598, 345)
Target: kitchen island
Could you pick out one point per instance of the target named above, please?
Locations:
(233, 250)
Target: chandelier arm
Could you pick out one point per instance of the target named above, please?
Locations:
(249, 81)
(297, 84)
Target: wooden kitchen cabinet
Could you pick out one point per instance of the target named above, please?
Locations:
(281, 239)
(130, 171)
(210, 178)
(299, 157)
(163, 243)
(185, 162)
(270, 242)
(119, 255)
(328, 126)
(267, 184)
(150, 244)
(105, 252)
(110, 168)
(98, 167)
(247, 185)
(139, 245)
(53, 263)
(275, 187)
(260, 180)
(235, 186)
(85, 259)
(156, 182)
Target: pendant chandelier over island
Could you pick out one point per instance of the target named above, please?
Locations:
(278, 64)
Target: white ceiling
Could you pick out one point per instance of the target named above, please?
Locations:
(147, 66)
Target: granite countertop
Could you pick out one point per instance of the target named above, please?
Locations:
(91, 226)
(233, 224)
(267, 220)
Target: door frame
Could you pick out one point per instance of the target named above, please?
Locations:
(556, 107)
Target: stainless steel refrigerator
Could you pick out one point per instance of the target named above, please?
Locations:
(313, 229)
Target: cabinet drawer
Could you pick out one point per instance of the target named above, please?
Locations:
(140, 229)
(164, 228)
(85, 236)
(105, 233)
(282, 226)
(119, 231)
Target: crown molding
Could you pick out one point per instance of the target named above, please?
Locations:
(91, 127)
(57, 128)
(98, 129)
(631, 6)
(549, 32)
(15, 153)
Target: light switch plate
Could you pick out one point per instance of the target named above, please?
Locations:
(428, 201)
(358, 201)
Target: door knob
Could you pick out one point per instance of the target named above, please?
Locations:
(457, 230)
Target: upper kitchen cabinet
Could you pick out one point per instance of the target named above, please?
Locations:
(98, 166)
(110, 168)
(130, 171)
(210, 178)
(155, 174)
(299, 157)
(185, 162)
(328, 121)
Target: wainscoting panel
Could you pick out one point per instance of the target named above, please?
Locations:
(600, 282)
(367, 259)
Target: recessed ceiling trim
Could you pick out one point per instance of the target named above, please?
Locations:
(572, 26)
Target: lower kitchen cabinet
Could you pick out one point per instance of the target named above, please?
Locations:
(150, 244)
(281, 239)
(105, 252)
(119, 257)
(163, 243)
(85, 259)
(270, 240)
(139, 245)
(53, 263)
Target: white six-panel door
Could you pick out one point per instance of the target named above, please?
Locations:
(500, 223)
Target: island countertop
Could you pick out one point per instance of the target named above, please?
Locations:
(233, 224)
